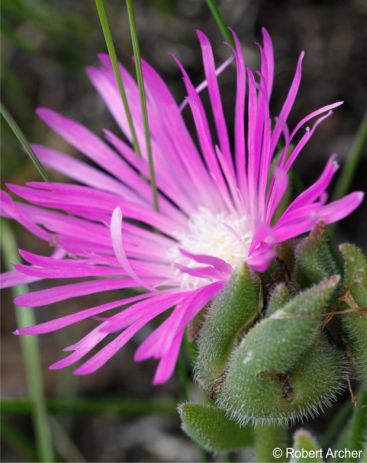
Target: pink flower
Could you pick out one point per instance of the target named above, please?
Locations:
(217, 205)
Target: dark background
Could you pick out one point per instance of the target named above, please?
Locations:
(45, 47)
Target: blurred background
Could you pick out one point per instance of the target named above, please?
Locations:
(46, 45)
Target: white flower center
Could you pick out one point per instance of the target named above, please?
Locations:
(222, 235)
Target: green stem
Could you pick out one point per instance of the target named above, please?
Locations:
(354, 433)
(30, 350)
(270, 439)
(336, 424)
(182, 375)
(139, 78)
(348, 172)
(112, 53)
(213, 7)
(352, 160)
(22, 140)
(103, 406)
(358, 426)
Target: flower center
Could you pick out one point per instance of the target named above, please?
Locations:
(222, 235)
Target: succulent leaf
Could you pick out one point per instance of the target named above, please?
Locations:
(278, 298)
(230, 315)
(354, 302)
(271, 442)
(210, 428)
(304, 441)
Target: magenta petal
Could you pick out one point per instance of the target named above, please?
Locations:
(62, 293)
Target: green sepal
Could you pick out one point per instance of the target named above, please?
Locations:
(312, 452)
(231, 314)
(275, 375)
(315, 257)
(354, 303)
(210, 428)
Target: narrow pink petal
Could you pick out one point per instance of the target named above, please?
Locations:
(78, 272)
(107, 352)
(203, 131)
(269, 55)
(160, 303)
(9, 208)
(77, 170)
(118, 247)
(85, 141)
(67, 320)
(251, 140)
(324, 109)
(317, 188)
(216, 262)
(168, 362)
(68, 291)
(261, 261)
(180, 142)
(204, 83)
(15, 278)
(340, 208)
(300, 145)
(215, 99)
(80, 349)
(201, 272)
(239, 135)
(104, 81)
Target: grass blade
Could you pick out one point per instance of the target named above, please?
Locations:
(30, 350)
(112, 53)
(139, 78)
(352, 160)
(336, 424)
(22, 140)
(72, 406)
(217, 15)
(350, 167)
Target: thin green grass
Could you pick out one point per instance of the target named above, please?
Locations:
(31, 358)
(217, 15)
(139, 78)
(349, 169)
(353, 158)
(98, 405)
(22, 140)
(112, 53)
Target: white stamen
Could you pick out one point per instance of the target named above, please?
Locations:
(222, 235)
